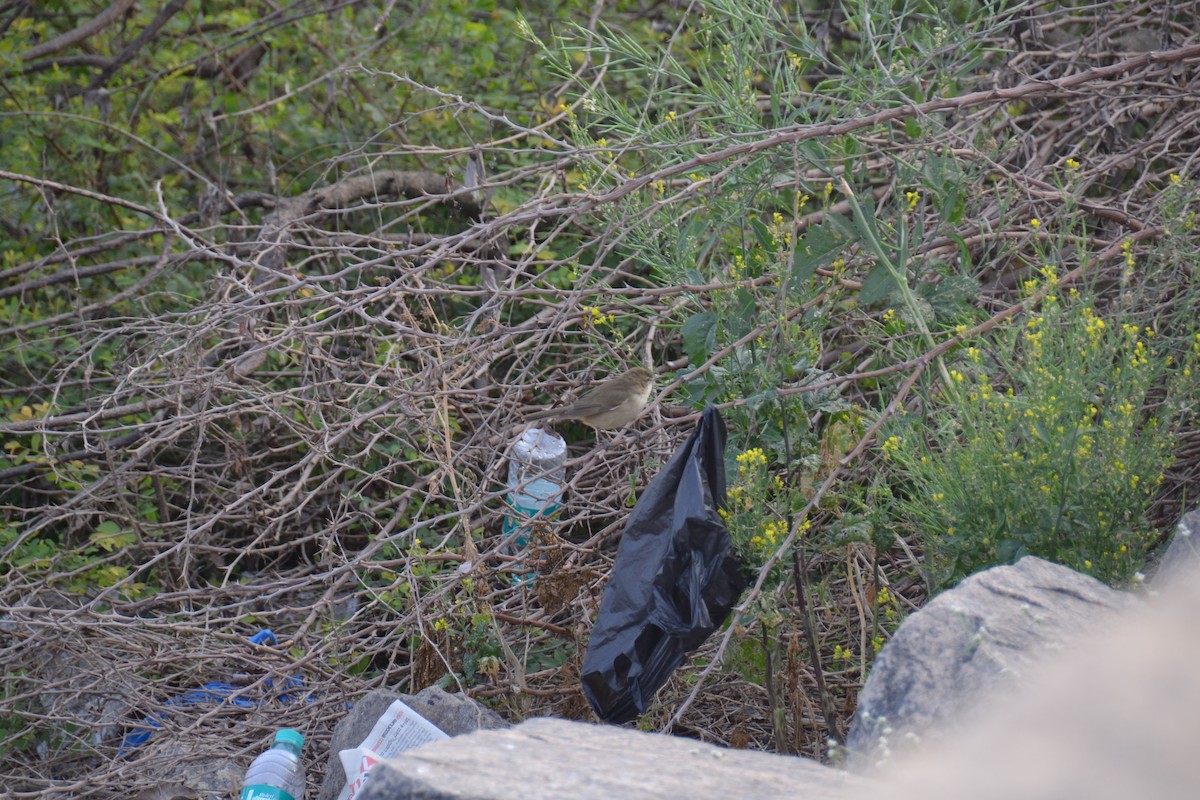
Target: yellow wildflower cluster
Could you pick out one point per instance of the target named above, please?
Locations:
(781, 231)
(751, 460)
(1127, 249)
(913, 198)
(737, 270)
(890, 446)
(1093, 325)
(1034, 335)
(773, 532)
(596, 317)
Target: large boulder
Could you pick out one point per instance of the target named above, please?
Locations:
(994, 629)
(1116, 717)
(552, 759)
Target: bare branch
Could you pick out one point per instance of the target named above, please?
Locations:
(73, 37)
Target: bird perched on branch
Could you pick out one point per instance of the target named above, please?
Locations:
(611, 405)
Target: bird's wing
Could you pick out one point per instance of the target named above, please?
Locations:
(586, 406)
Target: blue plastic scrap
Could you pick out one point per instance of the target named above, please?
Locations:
(213, 693)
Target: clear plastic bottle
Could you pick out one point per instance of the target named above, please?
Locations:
(537, 472)
(277, 774)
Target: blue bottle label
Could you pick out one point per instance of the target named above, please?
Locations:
(260, 792)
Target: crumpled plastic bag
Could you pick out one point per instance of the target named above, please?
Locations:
(674, 581)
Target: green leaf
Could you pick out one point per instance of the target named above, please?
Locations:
(878, 285)
(700, 336)
(843, 226)
(744, 314)
(763, 234)
(951, 296)
(820, 246)
(763, 398)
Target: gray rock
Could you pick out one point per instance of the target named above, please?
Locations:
(552, 759)
(1183, 554)
(1117, 717)
(455, 714)
(987, 634)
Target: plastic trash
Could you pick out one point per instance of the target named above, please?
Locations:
(215, 693)
(675, 579)
(277, 774)
(536, 474)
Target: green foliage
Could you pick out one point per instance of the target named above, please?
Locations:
(1053, 443)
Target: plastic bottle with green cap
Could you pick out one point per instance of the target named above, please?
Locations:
(277, 774)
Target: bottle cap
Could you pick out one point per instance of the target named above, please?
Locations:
(290, 737)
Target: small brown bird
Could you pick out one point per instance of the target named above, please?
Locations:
(611, 405)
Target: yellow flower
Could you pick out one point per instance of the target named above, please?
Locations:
(1127, 249)
(1175, 178)
(913, 198)
(753, 457)
(1072, 164)
(1035, 223)
(890, 446)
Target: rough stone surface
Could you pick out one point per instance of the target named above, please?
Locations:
(1183, 554)
(1117, 717)
(453, 713)
(988, 634)
(552, 759)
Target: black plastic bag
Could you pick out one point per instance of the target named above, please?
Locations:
(674, 581)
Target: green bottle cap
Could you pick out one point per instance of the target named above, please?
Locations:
(290, 737)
